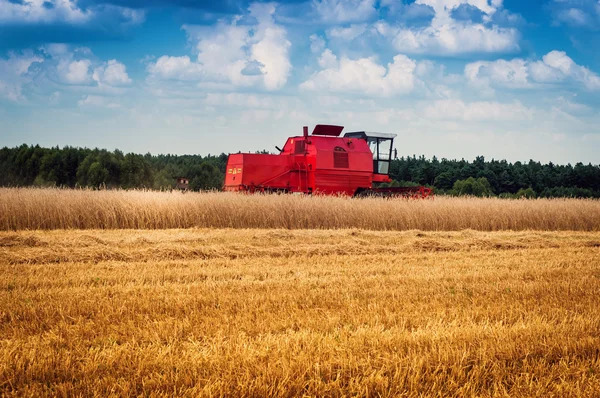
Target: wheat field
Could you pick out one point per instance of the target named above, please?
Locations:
(258, 312)
(27, 208)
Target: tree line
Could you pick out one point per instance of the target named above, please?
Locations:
(498, 177)
(82, 167)
(27, 165)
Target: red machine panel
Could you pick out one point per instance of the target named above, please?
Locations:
(311, 164)
(246, 170)
(343, 165)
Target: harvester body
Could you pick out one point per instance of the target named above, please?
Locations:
(321, 163)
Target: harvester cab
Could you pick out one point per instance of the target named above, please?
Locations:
(381, 145)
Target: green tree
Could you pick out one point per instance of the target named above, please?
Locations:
(528, 193)
(472, 187)
(97, 174)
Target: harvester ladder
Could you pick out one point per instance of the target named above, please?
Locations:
(302, 168)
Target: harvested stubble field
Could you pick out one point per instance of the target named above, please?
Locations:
(242, 312)
(348, 309)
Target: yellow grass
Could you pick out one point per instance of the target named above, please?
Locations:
(81, 209)
(236, 312)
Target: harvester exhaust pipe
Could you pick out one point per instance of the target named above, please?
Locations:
(305, 131)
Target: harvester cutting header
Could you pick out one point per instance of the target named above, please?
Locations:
(321, 163)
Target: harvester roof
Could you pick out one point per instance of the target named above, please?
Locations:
(365, 134)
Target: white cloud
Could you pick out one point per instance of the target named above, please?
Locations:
(66, 65)
(443, 6)
(227, 51)
(223, 52)
(65, 11)
(56, 68)
(563, 63)
(178, 68)
(14, 73)
(36, 11)
(270, 47)
(402, 11)
(555, 67)
(576, 13)
(513, 74)
(342, 11)
(112, 73)
(544, 73)
(456, 38)
(364, 76)
(328, 60)
(575, 16)
(446, 36)
(76, 72)
(559, 60)
(233, 54)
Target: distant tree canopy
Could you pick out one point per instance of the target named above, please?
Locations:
(81, 167)
(499, 177)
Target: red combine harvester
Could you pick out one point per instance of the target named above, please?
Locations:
(321, 163)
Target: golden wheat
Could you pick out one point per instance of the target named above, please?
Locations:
(26, 208)
(235, 312)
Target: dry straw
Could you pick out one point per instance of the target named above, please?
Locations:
(27, 208)
(279, 313)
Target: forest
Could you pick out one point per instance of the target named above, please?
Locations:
(72, 167)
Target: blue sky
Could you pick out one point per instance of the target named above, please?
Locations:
(514, 80)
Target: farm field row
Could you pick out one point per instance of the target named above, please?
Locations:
(276, 312)
(30, 208)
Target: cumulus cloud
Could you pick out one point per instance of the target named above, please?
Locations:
(15, 72)
(234, 53)
(555, 67)
(559, 61)
(68, 66)
(412, 12)
(270, 47)
(64, 11)
(512, 74)
(446, 35)
(344, 11)
(58, 65)
(456, 38)
(328, 60)
(39, 11)
(363, 76)
(75, 72)
(576, 13)
(176, 68)
(112, 73)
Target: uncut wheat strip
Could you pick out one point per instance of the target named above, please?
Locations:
(24, 208)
